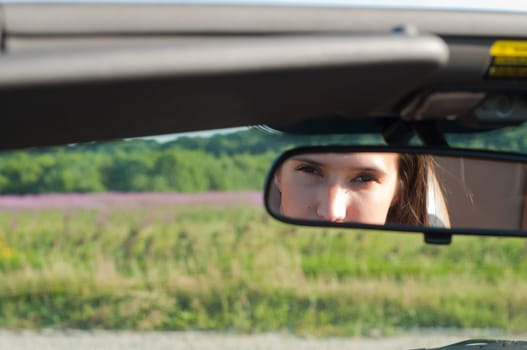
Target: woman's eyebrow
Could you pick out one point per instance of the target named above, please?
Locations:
(371, 169)
(307, 160)
(366, 168)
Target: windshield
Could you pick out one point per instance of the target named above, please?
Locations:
(130, 237)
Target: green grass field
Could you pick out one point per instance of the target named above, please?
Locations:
(184, 267)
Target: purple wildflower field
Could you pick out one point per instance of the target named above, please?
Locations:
(127, 200)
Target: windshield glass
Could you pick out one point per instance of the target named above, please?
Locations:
(128, 237)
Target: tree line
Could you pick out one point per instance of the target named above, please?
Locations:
(236, 161)
(177, 170)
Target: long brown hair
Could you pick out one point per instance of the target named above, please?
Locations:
(409, 206)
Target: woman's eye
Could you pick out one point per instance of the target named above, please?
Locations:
(309, 170)
(364, 178)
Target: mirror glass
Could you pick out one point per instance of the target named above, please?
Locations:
(382, 187)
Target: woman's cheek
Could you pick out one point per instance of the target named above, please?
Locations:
(357, 210)
(298, 202)
(369, 207)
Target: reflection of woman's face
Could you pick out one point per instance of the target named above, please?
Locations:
(358, 187)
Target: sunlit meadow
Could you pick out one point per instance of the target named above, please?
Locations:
(217, 261)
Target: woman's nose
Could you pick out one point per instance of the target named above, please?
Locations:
(333, 204)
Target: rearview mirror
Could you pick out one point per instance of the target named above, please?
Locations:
(411, 189)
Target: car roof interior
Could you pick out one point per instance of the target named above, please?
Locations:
(83, 72)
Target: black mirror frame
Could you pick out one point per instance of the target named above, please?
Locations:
(433, 235)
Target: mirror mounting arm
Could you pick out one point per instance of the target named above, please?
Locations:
(437, 238)
(398, 133)
(401, 132)
(429, 132)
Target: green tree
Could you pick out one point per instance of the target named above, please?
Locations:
(129, 171)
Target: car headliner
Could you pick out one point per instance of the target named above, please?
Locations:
(83, 72)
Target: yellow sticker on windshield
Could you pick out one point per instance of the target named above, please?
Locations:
(509, 60)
